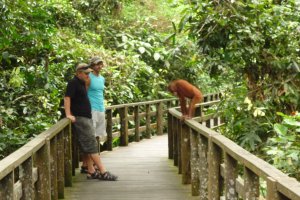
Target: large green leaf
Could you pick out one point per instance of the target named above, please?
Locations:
(280, 129)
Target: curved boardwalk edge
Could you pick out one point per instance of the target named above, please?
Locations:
(219, 168)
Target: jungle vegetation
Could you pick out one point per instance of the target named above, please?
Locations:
(247, 49)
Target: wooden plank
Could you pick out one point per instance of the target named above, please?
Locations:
(137, 124)
(230, 176)
(170, 136)
(42, 162)
(56, 128)
(75, 148)
(185, 154)
(214, 162)
(124, 126)
(272, 193)
(288, 187)
(175, 140)
(140, 103)
(251, 183)
(26, 177)
(257, 165)
(53, 168)
(8, 163)
(7, 187)
(68, 156)
(18, 193)
(179, 136)
(254, 163)
(145, 173)
(109, 130)
(203, 167)
(159, 118)
(195, 163)
(60, 159)
(148, 122)
(239, 186)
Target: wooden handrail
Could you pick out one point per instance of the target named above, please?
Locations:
(156, 109)
(216, 163)
(152, 113)
(39, 169)
(45, 165)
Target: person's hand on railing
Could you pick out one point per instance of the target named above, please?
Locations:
(72, 118)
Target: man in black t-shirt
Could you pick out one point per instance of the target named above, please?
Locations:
(78, 110)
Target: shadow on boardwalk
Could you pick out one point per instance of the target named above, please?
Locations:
(144, 171)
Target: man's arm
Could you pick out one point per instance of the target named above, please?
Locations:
(67, 105)
(87, 82)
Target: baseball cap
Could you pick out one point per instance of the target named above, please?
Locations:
(83, 67)
(95, 60)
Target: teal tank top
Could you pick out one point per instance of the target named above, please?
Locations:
(95, 92)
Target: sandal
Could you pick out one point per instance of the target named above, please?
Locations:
(84, 170)
(96, 168)
(94, 175)
(107, 176)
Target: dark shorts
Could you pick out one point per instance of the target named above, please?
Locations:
(84, 130)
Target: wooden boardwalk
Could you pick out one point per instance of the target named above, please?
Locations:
(144, 171)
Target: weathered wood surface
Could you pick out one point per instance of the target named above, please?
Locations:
(225, 161)
(144, 171)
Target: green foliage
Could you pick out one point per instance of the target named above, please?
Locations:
(283, 149)
(253, 46)
(248, 123)
(256, 40)
(42, 40)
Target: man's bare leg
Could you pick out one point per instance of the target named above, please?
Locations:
(97, 161)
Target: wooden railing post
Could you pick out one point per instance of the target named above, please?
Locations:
(53, 165)
(75, 149)
(179, 137)
(7, 187)
(272, 193)
(170, 136)
(68, 156)
(203, 166)
(124, 126)
(231, 174)
(148, 122)
(175, 140)
(137, 123)
(159, 118)
(109, 129)
(185, 154)
(214, 162)
(60, 165)
(251, 184)
(27, 179)
(195, 163)
(199, 111)
(169, 104)
(42, 162)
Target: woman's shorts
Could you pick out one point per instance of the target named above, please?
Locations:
(84, 130)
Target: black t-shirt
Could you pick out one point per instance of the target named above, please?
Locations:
(80, 104)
